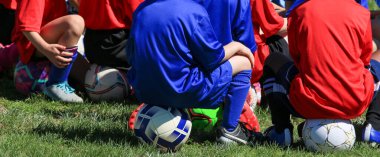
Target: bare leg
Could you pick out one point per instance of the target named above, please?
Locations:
(65, 31)
(237, 91)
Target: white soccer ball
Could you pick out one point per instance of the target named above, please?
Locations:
(105, 83)
(323, 135)
(166, 128)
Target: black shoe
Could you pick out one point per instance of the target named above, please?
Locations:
(240, 135)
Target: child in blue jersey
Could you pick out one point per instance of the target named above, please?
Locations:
(177, 61)
(231, 21)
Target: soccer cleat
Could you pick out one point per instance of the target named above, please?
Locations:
(239, 136)
(283, 139)
(62, 92)
(249, 119)
(132, 118)
(371, 135)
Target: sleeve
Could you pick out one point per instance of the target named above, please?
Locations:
(264, 14)
(243, 28)
(29, 14)
(204, 45)
(366, 45)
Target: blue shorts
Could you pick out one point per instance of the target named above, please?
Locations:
(281, 83)
(219, 82)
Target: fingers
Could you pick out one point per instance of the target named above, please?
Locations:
(66, 54)
(63, 60)
(59, 47)
(252, 60)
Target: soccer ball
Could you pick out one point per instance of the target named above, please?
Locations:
(205, 120)
(323, 135)
(167, 128)
(105, 83)
(32, 77)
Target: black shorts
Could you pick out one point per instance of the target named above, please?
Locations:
(7, 17)
(106, 47)
(277, 44)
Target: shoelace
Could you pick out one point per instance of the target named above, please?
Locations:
(66, 88)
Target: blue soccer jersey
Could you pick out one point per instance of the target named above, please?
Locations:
(173, 50)
(231, 20)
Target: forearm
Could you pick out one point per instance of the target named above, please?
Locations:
(36, 39)
(283, 31)
(231, 49)
(278, 8)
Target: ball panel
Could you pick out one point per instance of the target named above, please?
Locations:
(164, 127)
(32, 77)
(105, 83)
(328, 134)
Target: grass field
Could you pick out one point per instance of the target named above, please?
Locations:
(33, 126)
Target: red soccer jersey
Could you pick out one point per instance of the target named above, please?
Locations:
(264, 17)
(108, 14)
(331, 47)
(10, 4)
(32, 15)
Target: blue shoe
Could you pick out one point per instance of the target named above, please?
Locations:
(283, 139)
(371, 135)
(62, 92)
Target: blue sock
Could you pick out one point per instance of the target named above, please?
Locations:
(59, 75)
(235, 99)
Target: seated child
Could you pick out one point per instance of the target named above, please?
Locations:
(269, 28)
(330, 75)
(177, 61)
(107, 24)
(42, 31)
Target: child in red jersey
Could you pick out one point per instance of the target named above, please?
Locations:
(107, 30)
(43, 31)
(331, 76)
(270, 29)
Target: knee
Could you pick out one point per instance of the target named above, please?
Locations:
(239, 63)
(245, 63)
(75, 24)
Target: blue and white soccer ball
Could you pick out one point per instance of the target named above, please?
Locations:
(324, 135)
(167, 128)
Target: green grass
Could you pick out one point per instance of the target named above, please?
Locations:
(372, 5)
(34, 126)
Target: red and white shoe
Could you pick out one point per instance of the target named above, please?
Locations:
(249, 119)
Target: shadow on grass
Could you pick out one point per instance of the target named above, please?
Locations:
(94, 135)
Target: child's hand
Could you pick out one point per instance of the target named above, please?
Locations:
(245, 51)
(56, 54)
